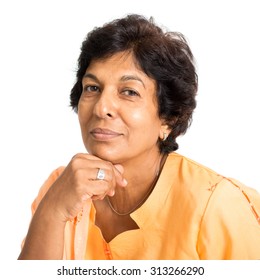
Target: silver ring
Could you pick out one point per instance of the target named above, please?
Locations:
(101, 174)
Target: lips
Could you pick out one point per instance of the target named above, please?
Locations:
(104, 133)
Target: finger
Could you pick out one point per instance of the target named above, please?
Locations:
(111, 192)
(97, 189)
(119, 170)
(89, 169)
(85, 156)
(93, 174)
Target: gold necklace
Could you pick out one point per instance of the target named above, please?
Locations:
(144, 198)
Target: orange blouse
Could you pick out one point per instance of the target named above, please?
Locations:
(193, 213)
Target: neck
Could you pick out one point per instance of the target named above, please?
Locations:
(141, 176)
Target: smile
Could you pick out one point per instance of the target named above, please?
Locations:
(104, 134)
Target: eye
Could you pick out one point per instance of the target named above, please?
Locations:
(91, 89)
(130, 92)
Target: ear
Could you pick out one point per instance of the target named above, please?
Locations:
(164, 131)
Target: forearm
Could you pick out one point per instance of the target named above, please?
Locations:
(45, 238)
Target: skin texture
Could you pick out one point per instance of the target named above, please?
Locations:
(119, 97)
(118, 116)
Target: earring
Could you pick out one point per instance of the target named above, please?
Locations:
(165, 136)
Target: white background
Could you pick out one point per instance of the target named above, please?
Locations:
(40, 42)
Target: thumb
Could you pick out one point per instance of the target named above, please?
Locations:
(119, 168)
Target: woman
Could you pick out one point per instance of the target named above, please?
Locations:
(131, 196)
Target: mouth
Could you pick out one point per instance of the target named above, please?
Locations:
(103, 134)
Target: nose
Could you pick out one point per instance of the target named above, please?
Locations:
(106, 105)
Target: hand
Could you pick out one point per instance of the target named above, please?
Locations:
(78, 183)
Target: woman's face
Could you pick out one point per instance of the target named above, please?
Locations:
(118, 110)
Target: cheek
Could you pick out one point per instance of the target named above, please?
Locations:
(145, 121)
(83, 117)
(137, 118)
(80, 115)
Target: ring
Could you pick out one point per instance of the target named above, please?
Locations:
(101, 174)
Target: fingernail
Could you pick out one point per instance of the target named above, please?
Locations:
(124, 182)
(112, 193)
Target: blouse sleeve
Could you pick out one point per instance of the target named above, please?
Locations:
(43, 190)
(230, 227)
(45, 187)
(75, 233)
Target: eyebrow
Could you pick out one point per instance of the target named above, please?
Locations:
(131, 77)
(122, 79)
(91, 76)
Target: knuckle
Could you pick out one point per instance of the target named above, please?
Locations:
(77, 172)
(102, 186)
(78, 155)
(105, 187)
(109, 176)
(75, 163)
(109, 165)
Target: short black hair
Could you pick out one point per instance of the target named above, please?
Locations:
(164, 56)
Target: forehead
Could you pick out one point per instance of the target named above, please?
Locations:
(117, 63)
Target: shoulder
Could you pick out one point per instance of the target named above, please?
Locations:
(230, 225)
(191, 176)
(188, 186)
(232, 200)
(227, 212)
(190, 167)
(195, 179)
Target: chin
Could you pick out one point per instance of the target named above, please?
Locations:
(114, 157)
